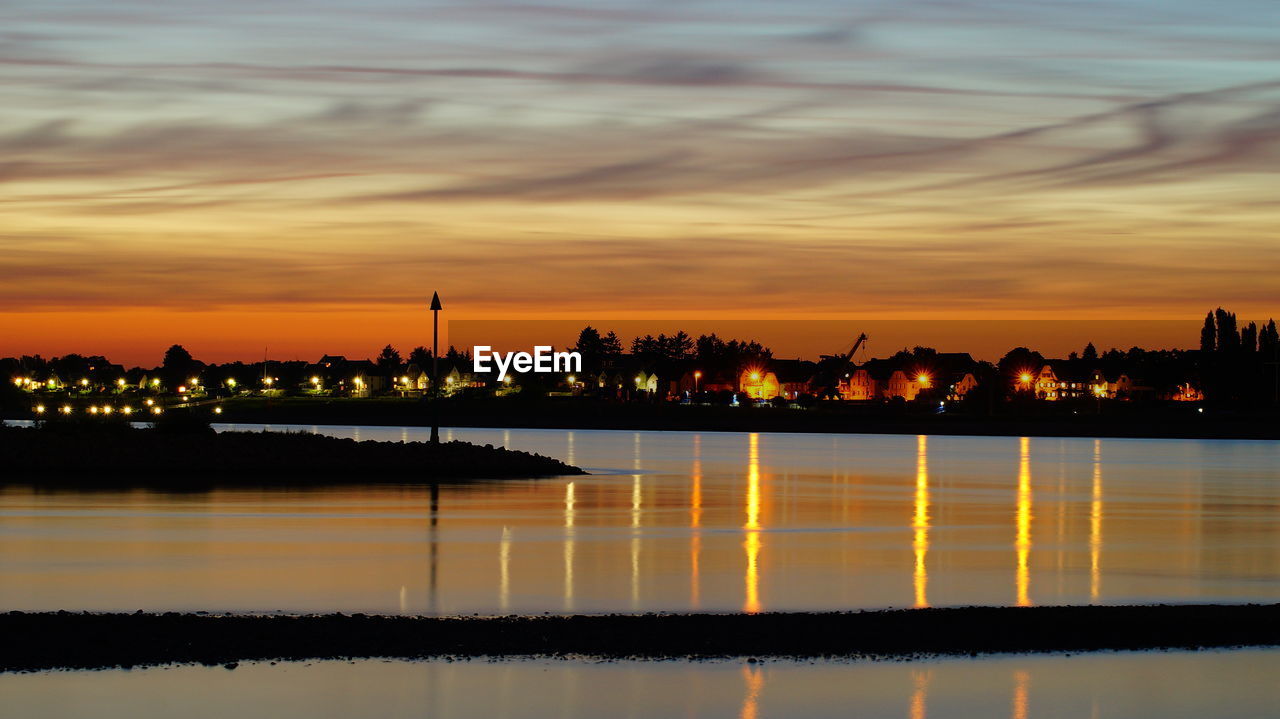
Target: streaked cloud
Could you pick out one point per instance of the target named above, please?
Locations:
(608, 155)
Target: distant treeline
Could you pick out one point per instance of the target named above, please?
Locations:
(1234, 363)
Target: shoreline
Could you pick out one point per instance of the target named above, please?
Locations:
(67, 640)
(122, 455)
(1121, 423)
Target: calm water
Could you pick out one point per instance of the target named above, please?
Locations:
(681, 521)
(1223, 685)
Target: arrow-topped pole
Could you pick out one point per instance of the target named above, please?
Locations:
(435, 367)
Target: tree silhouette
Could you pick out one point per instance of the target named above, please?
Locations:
(1209, 334)
(420, 356)
(1090, 353)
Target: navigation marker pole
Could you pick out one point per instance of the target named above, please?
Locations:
(435, 367)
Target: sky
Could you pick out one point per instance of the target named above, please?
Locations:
(297, 177)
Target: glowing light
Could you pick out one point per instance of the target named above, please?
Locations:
(231, 382)
(505, 380)
(924, 380)
(19, 381)
(755, 376)
(66, 409)
(93, 409)
(84, 383)
(120, 382)
(1025, 378)
(150, 402)
(315, 381)
(155, 382)
(156, 410)
(404, 380)
(39, 409)
(182, 389)
(195, 381)
(268, 381)
(106, 409)
(571, 379)
(448, 380)
(217, 410)
(697, 375)
(126, 410)
(639, 379)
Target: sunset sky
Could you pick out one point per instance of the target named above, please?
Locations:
(299, 176)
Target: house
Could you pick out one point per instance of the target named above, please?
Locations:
(858, 385)
(758, 383)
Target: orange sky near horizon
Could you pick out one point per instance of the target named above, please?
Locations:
(232, 176)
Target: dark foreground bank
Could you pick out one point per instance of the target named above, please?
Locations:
(62, 639)
(179, 459)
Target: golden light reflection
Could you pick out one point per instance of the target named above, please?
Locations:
(920, 521)
(1022, 544)
(1022, 681)
(1095, 526)
(504, 570)
(753, 676)
(920, 694)
(695, 524)
(568, 545)
(752, 526)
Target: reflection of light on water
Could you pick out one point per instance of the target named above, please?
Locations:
(752, 527)
(568, 546)
(1023, 542)
(404, 598)
(920, 521)
(636, 502)
(753, 675)
(1095, 525)
(570, 454)
(1022, 679)
(695, 523)
(504, 570)
(920, 694)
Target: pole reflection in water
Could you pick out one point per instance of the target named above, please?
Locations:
(1022, 544)
(752, 526)
(753, 676)
(1095, 526)
(1022, 680)
(920, 694)
(435, 545)
(568, 546)
(504, 571)
(695, 523)
(920, 521)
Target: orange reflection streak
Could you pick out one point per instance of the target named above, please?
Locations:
(920, 521)
(754, 678)
(568, 545)
(920, 695)
(1022, 679)
(1095, 526)
(504, 570)
(695, 523)
(1023, 542)
(637, 500)
(752, 527)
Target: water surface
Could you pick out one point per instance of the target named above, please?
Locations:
(1170, 685)
(681, 521)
